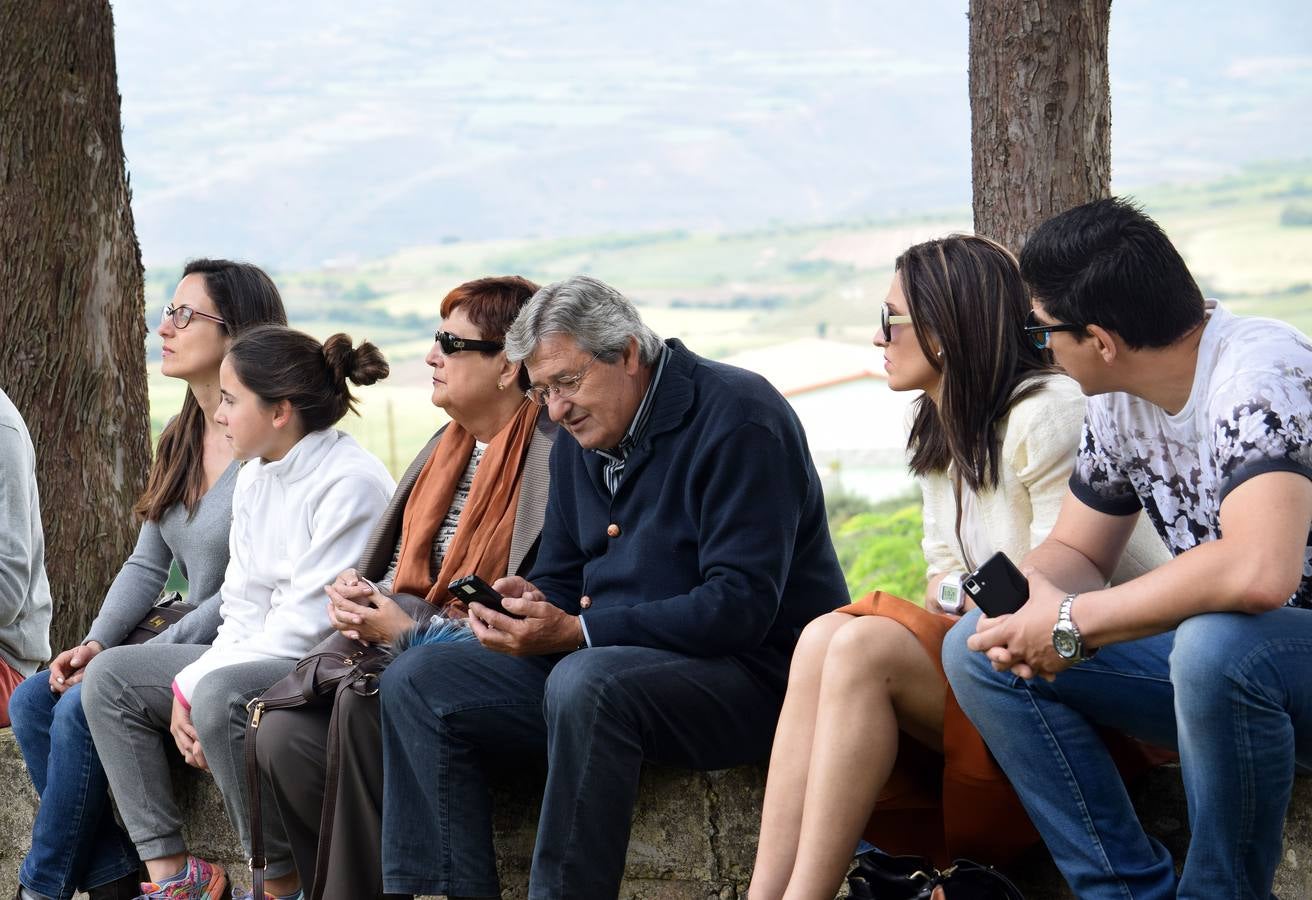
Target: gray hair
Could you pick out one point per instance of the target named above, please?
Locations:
(593, 313)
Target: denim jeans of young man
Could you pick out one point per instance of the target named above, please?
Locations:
(76, 844)
(595, 715)
(1232, 692)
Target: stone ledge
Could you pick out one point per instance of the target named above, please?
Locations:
(694, 834)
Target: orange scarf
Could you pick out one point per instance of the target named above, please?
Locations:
(481, 544)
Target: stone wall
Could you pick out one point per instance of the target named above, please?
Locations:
(694, 834)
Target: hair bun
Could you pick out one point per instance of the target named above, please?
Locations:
(362, 365)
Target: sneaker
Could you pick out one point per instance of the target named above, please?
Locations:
(198, 880)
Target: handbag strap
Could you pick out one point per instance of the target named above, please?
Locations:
(257, 861)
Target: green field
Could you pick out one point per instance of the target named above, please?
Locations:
(722, 293)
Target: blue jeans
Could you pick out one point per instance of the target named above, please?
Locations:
(1232, 692)
(594, 716)
(76, 844)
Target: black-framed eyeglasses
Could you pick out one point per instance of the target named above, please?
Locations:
(565, 386)
(452, 344)
(182, 316)
(1041, 332)
(887, 320)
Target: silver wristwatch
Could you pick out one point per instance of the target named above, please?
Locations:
(1066, 637)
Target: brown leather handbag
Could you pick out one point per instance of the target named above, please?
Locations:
(336, 665)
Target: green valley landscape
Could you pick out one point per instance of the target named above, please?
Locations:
(1248, 239)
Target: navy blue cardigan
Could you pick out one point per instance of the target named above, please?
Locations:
(722, 547)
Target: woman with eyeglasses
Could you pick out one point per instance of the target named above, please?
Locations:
(472, 502)
(185, 511)
(868, 723)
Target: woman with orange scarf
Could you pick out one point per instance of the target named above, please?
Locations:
(472, 502)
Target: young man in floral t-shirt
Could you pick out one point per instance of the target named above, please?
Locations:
(1203, 420)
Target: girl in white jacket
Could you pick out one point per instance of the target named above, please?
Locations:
(303, 507)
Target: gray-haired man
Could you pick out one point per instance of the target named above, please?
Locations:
(685, 547)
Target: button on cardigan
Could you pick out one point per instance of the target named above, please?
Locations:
(725, 547)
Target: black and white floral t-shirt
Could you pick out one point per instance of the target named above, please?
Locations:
(1250, 412)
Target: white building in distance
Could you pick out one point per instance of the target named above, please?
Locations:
(854, 423)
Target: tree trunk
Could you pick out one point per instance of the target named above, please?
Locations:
(1040, 110)
(71, 306)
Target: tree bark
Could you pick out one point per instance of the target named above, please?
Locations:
(1040, 110)
(71, 305)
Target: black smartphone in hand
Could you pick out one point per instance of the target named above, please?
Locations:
(997, 587)
(472, 588)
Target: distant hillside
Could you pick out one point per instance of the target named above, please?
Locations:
(253, 129)
(1247, 238)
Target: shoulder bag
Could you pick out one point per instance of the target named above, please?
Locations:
(878, 876)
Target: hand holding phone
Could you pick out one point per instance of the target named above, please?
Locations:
(472, 588)
(997, 587)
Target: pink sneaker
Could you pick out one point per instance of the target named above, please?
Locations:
(198, 880)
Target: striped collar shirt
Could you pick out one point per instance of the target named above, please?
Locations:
(613, 471)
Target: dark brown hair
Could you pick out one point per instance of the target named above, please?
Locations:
(243, 295)
(966, 298)
(492, 305)
(278, 363)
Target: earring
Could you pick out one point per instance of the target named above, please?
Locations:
(501, 386)
(940, 354)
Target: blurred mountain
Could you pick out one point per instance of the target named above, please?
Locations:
(298, 133)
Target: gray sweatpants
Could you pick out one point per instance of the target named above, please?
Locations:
(128, 700)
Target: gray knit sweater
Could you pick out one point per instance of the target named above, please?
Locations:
(199, 543)
(24, 591)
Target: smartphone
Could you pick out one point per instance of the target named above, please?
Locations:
(997, 587)
(471, 588)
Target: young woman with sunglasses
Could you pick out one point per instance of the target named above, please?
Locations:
(992, 443)
(185, 511)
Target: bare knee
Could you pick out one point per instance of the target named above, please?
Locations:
(813, 645)
(870, 648)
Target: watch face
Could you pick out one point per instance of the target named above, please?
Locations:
(1065, 644)
(949, 595)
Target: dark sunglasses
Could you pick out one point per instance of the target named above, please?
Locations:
(452, 344)
(887, 320)
(1040, 333)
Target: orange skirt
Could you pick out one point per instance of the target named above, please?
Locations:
(959, 804)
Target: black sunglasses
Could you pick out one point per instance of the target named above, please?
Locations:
(1040, 332)
(452, 344)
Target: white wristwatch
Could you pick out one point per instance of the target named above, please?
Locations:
(950, 596)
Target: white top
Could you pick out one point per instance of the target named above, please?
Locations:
(1249, 412)
(1039, 438)
(296, 523)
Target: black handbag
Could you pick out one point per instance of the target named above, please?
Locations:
(168, 609)
(338, 664)
(878, 876)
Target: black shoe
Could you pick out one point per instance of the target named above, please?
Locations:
(126, 888)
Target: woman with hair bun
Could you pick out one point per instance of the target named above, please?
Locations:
(302, 509)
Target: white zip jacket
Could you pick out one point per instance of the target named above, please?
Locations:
(296, 523)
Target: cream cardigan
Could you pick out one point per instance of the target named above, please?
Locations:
(1039, 438)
